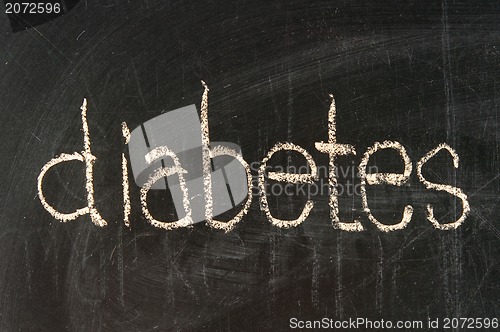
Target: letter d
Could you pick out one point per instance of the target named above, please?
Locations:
(89, 159)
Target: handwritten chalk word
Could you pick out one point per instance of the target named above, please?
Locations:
(331, 147)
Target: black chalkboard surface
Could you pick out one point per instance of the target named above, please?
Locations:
(406, 77)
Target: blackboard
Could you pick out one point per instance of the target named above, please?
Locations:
(420, 73)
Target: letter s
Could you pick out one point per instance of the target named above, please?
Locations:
(443, 187)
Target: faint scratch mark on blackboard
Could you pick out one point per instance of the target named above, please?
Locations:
(379, 289)
(36, 136)
(338, 292)
(139, 88)
(315, 283)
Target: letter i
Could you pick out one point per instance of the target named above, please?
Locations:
(125, 184)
